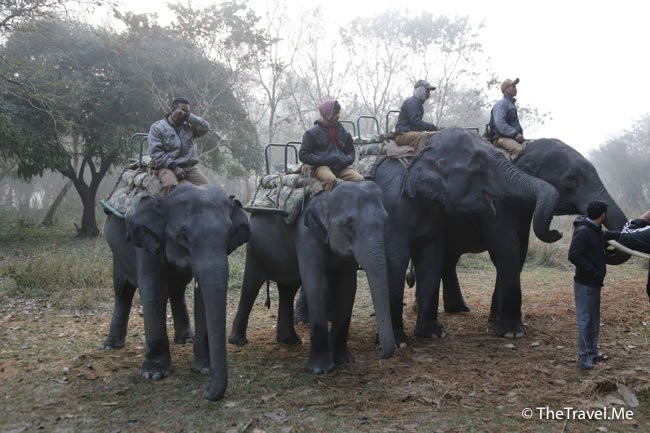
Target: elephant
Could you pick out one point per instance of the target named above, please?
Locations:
(458, 172)
(336, 230)
(166, 242)
(505, 236)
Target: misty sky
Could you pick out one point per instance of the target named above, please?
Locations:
(585, 62)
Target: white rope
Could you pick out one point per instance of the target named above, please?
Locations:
(626, 250)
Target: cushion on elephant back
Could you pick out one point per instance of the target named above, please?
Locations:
(132, 186)
(283, 194)
(370, 155)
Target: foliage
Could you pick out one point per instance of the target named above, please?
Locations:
(623, 164)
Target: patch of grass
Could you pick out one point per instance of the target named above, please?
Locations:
(76, 273)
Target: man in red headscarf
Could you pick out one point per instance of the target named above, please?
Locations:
(328, 148)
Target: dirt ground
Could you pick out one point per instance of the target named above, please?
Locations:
(54, 377)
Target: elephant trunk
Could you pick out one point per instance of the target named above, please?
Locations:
(211, 273)
(372, 257)
(616, 219)
(523, 186)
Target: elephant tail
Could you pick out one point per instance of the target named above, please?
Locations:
(267, 303)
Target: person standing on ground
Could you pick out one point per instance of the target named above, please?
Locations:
(587, 253)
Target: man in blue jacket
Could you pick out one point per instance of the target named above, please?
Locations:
(411, 130)
(587, 253)
(504, 121)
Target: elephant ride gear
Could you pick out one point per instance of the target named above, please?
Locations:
(172, 150)
(410, 129)
(505, 131)
(137, 181)
(283, 193)
(328, 148)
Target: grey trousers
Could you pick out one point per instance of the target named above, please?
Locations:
(588, 319)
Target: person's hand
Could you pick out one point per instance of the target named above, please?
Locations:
(519, 138)
(179, 116)
(180, 173)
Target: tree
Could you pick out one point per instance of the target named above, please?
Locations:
(76, 92)
(623, 163)
(13, 13)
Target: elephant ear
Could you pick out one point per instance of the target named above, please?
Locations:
(240, 232)
(425, 177)
(146, 228)
(316, 217)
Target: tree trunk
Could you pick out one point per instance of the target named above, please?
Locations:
(48, 220)
(88, 227)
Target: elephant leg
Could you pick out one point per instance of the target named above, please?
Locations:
(397, 260)
(151, 280)
(428, 262)
(124, 292)
(201, 360)
(285, 330)
(315, 284)
(506, 300)
(343, 283)
(451, 293)
(253, 280)
(182, 329)
(301, 311)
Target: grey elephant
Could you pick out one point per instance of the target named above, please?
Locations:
(457, 173)
(505, 236)
(167, 242)
(320, 250)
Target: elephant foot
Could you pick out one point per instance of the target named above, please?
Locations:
(400, 338)
(112, 342)
(290, 338)
(300, 316)
(237, 339)
(184, 337)
(343, 357)
(509, 328)
(154, 370)
(431, 330)
(201, 366)
(456, 307)
(320, 365)
(214, 392)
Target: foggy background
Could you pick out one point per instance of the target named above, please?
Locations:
(78, 79)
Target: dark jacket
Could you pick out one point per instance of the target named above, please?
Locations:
(636, 235)
(171, 147)
(410, 117)
(504, 121)
(317, 149)
(587, 253)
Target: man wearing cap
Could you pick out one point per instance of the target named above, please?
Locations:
(504, 121)
(411, 130)
(328, 148)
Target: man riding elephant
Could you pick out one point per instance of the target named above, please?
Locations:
(328, 148)
(171, 147)
(411, 130)
(507, 132)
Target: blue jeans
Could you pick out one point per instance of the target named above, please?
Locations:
(588, 318)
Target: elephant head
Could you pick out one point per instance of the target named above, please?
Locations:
(462, 172)
(574, 178)
(194, 229)
(350, 220)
